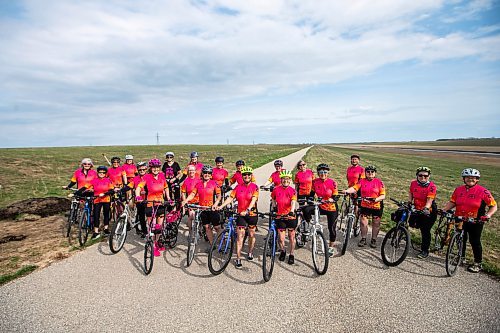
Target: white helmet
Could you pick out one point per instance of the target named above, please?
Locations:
(87, 161)
(469, 172)
(169, 153)
(129, 157)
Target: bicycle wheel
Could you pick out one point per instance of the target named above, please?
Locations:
(191, 243)
(439, 235)
(172, 233)
(320, 256)
(148, 257)
(269, 255)
(356, 230)
(84, 228)
(220, 252)
(344, 210)
(71, 217)
(347, 234)
(118, 235)
(395, 246)
(454, 255)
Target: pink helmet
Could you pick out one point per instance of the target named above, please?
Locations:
(154, 163)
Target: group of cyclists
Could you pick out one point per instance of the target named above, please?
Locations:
(152, 184)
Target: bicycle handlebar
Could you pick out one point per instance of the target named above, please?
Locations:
(193, 206)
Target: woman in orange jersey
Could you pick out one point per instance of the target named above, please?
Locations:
(82, 176)
(129, 168)
(116, 173)
(372, 196)
(274, 178)
(303, 181)
(187, 187)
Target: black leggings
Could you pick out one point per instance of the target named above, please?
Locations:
(331, 217)
(141, 216)
(424, 223)
(105, 206)
(473, 232)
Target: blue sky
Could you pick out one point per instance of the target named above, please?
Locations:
(117, 72)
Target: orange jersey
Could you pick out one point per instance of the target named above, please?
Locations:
(304, 180)
(188, 186)
(284, 197)
(134, 184)
(325, 189)
(219, 175)
(471, 202)
(198, 167)
(354, 174)
(206, 192)
(130, 170)
(238, 178)
(116, 176)
(421, 193)
(99, 186)
(81, 179)
(155, 187)
(275, 178)
(244, 194)
(370, 189)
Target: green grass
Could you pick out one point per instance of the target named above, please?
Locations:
(40, 172)
(397, 171)
(489, 142)
(21, 272)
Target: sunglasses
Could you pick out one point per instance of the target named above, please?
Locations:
(425, 176)
(302, 165)
(322, 172)
(206, 173)
(370, 171)
(102, 172)
(246, 174)
(87, 164)
(170, 156)
(142, 170)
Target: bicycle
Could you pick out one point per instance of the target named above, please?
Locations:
(125, 222)
(313, 232)
(442, 231)
(170, 230)
(398, 239)
(74, 214)
(348, 221)
(454, 253)
(151, 232)
(222, 247)
(194, 232)
(87, 220)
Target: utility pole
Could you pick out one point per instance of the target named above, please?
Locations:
(157, 138)
(227, 140)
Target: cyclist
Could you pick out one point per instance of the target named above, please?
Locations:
(116, 173)
(129, 168)
(246, 195)
(142, 168)
(422, 194)
(237, 178)
(187, 187)
(284, 197)
(206, 190)
(355, 172)
(274, 178)
(156, 188)
(172, 171)
(194, 161)
(102, 188)
(303, 181)
(326, 189)
(470, 201)
(372, 195)
(220, 174)
(82, 176)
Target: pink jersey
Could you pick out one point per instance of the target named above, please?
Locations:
(81, 179)
(284, 197)
(155, 187)
(206, 192)
(421, 193)
(188, 186)
(130, 170)
(244, 194)
(370, 189)
(304, 180)
(472, 202)
(326, 189)
(134, 184)
(275, 178)
(219, 175)
(354, 174)
(101, 185)
(116, 175)
(198, 167)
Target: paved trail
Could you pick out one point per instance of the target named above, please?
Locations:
(100, 292)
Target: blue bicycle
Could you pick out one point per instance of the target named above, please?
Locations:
(270, 245)
(223, 245)
(86, 224)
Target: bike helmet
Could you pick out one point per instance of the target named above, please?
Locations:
(219, 159)
(423, 168)
(169, 153)
(278, 163)
(154, 163)
(115, 159)
(371, 168)
(285, 173)
(194, 154)
(323, 166)
(102, 168)
(129, 157)
(246, 169)
(206, 169)
(355, 156)
(87, 161)
(141, 164)
(469, 172)
(240, 162)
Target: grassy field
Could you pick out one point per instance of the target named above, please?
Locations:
(486, 142)
(40, 172)
(397, 170)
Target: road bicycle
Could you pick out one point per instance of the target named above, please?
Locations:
(313, 233)
(150, 236)
(443, 230)
(455, 252)
(222, 247)
(194, 232)
(86, 224)
(125, 222)
(74, 214)
(348, 221)
(270, 245)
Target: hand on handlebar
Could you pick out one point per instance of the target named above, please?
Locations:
(484, 218)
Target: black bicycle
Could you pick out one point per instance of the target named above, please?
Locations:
(348, 221)
(455, 252)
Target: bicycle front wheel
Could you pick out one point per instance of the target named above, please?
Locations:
(148, 257)
(439, 235)
(118, 235)
(84, 228)
(347, 234)
(269, 255)
(454, 255)
(395, 246)
(220, 252)
(320, 256)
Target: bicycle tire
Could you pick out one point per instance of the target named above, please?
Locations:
(83, 229)
(439, 235)
(172, 241)
(148, 257)
(453, 255)
(347, 235)
(269, 255)
(398, 241)
(221, 252)
(344, 210)
(319, 249)
(71, 216)
(356, 229)
(118, 235)
(191, 244)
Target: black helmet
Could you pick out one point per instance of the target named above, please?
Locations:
(278, 162)
(206, 169)
(240, 162)
(371, 168)
(323, 166)
(102, 168)
(194, 154)
(115, 158)
(219, 159)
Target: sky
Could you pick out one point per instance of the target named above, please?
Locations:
(79, 73)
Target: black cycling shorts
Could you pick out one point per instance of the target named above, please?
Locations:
(371, 212)
(210, 217)
(246, 221)
(159, 212)
(286, 223)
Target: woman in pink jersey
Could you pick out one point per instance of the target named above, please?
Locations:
(129, 168)
(82, 176)
(274, 178)
(284, 198)
(116, 173)
(303, 180)
(187, 187)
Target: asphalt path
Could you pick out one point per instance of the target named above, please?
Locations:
(97, 291)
